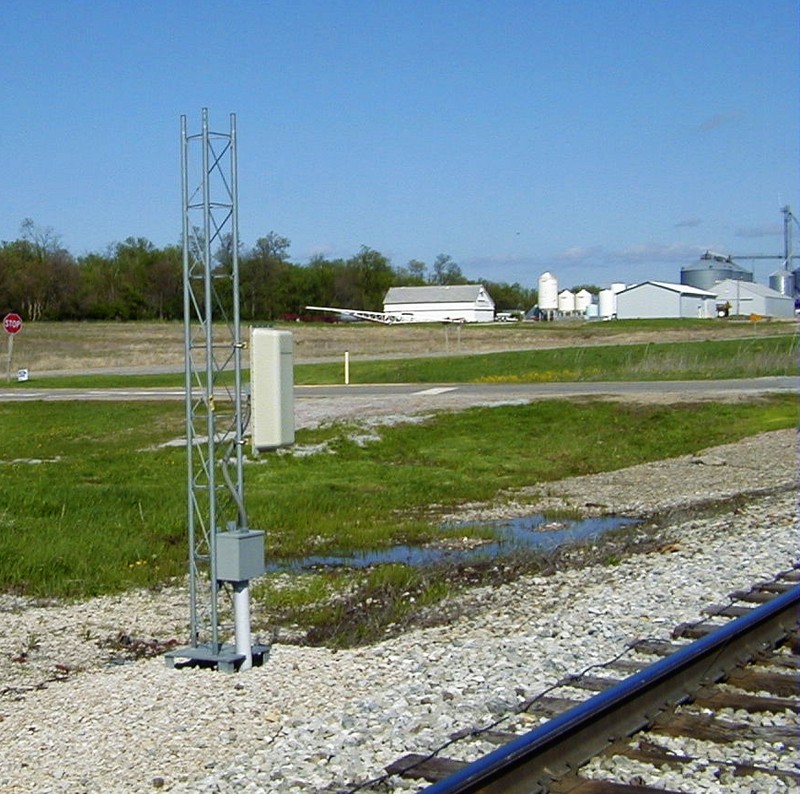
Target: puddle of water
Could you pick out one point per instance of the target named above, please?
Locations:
(536, 533)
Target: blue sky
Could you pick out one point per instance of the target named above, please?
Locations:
(602, 140)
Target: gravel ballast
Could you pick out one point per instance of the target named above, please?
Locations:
(75, 716)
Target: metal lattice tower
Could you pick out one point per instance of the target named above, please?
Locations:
(215, 421)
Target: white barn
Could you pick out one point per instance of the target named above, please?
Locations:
(652, 299)
(469, 303)
(747, 297)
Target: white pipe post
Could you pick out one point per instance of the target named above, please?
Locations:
(346, 367)
(241, 618)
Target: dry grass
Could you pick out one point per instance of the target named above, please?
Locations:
(54, 347)
(57, 347)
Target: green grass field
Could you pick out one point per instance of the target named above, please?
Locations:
(93, 501)
(741, 358)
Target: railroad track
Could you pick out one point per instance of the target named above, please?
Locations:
(671, 710)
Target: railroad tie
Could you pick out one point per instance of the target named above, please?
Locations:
(425, 767)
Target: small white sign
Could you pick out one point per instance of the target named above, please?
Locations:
(22, 375)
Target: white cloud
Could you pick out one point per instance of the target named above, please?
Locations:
(764, 230)
(634, 254)
(325, 250)
(582, 254)
(674, 252)
(688, 223)
(719, 120)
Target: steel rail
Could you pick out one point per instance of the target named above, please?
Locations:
(528, 764)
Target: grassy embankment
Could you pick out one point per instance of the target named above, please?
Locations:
(703, 360)
(104, 508)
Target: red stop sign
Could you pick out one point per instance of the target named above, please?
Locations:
(12, 323)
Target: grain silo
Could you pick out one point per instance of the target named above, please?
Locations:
(566, 302)
(783, 281)
(712, 268)
(548, 292)
(583, 300)
(607, 303)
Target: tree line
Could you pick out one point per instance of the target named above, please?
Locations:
(135, 280)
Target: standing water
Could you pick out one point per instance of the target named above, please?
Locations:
(536, 533)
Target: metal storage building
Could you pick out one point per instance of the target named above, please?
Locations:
(746, 298)
(652, 299)
(469, 303)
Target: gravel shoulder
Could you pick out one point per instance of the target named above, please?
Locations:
(761, 465)
(77, 716)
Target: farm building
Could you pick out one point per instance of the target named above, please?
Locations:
(652, 299)
(469, 303)
(746, 298)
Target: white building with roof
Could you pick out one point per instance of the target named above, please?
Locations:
(652, 299)
(747, 297)
(469, 303)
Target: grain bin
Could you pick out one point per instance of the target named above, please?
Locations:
(583, 300)
(783, 281)
(566, 301)
(712, 268)
(607, 303)
(548, 292)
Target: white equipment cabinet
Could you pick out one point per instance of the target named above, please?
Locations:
(271, 388)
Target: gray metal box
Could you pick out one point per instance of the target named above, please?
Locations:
(240, 555)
